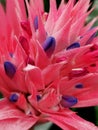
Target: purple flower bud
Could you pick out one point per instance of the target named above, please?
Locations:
(36, 23)
(13, 97)
(91, 38)
(10, 69)
(74, 45)
(49, 45)
(68, 101)
(79, 85)
(38, 97)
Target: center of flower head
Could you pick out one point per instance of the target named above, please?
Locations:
(48, 101)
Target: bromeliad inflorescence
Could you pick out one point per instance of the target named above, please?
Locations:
(48, 64)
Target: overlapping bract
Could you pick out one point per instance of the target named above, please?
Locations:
(48, 63)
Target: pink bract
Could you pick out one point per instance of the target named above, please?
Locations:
(48, 64)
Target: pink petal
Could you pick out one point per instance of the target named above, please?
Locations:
(71, 120)
(41, 59)
(39, 5)
(34, 73)
(13, 15)
(17, 124)
(47, 101)
(8, 110)
(64, 31)
(11, 117)
(88, 26)
(41, 31)
(79, 23)
(61, 7)
(50, 77)
(51, 17)
(80, 8)
(88, 95)
(31, 17)
(87, 35)
(21, 9)
(3, 23)
(65, 14)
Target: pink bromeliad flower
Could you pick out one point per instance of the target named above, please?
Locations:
(48, 64)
